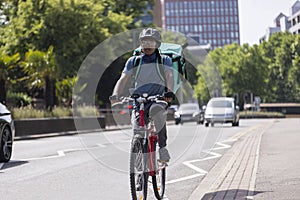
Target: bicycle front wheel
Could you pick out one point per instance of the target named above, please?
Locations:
(138, 174)
(159, 182)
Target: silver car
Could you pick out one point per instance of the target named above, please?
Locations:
(221, 110)
(186, 113)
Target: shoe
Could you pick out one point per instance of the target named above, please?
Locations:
(164, 155)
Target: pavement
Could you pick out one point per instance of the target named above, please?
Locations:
(263, 164)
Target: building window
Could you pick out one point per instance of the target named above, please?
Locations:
(186, 28)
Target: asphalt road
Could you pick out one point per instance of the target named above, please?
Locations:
(95, 165)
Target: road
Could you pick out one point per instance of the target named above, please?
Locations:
(95, 165)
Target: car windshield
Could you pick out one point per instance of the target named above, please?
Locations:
(220, 104)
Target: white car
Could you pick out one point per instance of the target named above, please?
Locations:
(221, 110)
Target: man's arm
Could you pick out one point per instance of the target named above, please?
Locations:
(120, 85)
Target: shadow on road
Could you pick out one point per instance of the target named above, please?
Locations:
(13, 163)
(233, 194)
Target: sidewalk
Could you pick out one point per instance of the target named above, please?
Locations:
(247, 171)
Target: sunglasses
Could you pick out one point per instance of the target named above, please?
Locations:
(148, 43)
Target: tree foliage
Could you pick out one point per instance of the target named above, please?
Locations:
(72, 27)
(269, 70)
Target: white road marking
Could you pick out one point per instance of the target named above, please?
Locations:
(101, 145)
(1, 165)
(200, 172)
(60, 153)
(184, 178)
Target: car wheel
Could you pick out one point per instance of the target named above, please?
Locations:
(5, 145)
(206, 124)
(235, 123)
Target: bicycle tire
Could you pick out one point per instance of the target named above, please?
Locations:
(138, 174)
(159, 189)
(159, 180)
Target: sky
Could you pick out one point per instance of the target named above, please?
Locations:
(257, 15)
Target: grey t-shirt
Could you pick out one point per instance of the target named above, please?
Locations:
(148, 80)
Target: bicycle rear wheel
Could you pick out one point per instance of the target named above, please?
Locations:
(138, 174)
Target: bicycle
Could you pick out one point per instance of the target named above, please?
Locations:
(143, 155)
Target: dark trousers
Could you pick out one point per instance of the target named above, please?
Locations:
(157, 112)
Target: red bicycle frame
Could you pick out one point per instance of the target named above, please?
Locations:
(152, 140)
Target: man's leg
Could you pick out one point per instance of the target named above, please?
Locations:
(158, 115)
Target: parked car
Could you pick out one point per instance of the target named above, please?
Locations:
(221, 110)
(199, 116)
(185, 112)
(7, 133)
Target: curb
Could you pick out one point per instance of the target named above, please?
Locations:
(237, 179)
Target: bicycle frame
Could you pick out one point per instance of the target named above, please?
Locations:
(147, 139)
(152, 138)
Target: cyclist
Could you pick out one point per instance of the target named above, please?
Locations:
(149, 80)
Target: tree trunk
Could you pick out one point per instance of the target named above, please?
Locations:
(2, 91)
(49, 93)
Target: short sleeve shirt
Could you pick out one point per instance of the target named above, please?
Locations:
(148, 80)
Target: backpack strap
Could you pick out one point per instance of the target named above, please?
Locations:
(136, 67)
(161, 70)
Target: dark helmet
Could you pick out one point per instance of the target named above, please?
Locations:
(151, 33)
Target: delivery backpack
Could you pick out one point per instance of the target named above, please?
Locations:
(175, 52)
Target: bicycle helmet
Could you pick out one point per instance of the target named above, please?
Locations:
(151, 33)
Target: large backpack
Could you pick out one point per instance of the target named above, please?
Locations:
(175, 52)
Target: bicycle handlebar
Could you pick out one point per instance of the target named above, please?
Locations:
(141, 99)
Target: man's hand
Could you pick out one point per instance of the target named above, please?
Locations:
(114, 99)
(168, 96)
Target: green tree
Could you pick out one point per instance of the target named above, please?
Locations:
(7, 63)
(41, 69)
(279, 53)
(64, 89)
(73, 28)
(232, 70)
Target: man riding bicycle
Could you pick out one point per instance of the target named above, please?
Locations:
(153, 76)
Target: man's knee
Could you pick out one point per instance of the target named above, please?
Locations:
(156, 109)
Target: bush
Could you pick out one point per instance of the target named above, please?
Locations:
(30, 112)
(18, 99)
(85, 111)
(256, 114)
(62, 112)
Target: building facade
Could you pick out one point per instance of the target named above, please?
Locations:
(284, 23)
(214, 22)
(294, 19)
